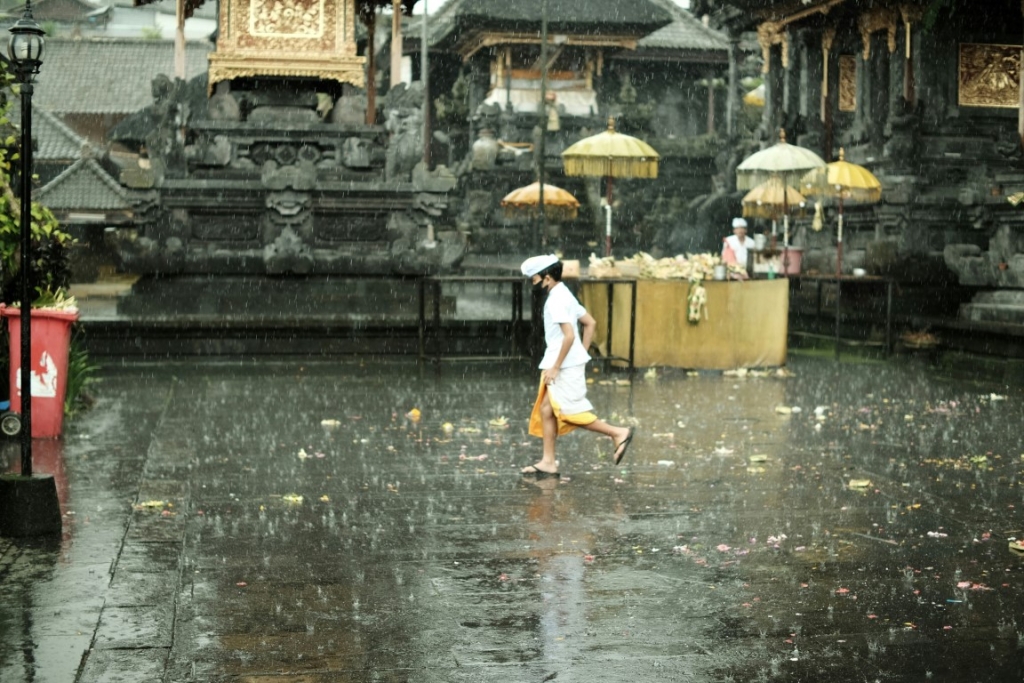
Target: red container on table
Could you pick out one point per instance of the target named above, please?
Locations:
(51, 343)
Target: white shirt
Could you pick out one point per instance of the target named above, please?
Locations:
(740, 248)
(562, 307)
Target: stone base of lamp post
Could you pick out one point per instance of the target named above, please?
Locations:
(29, 506)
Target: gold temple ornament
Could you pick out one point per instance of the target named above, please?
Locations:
(288, 38)
(847, 82)
(989, 75)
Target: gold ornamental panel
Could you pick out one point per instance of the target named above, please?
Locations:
(989, 75)
(286, 18)
(847, 82)
(287, 38)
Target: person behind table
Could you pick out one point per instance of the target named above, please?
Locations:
(562, 404)
(738, 243)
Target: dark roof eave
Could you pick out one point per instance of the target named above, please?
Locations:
(653, 54)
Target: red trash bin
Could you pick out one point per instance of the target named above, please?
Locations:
(51, 343)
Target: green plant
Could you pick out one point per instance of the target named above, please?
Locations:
(81, 373)
(49, 269)
(151, 33)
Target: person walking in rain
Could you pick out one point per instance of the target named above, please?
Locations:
(562, 404)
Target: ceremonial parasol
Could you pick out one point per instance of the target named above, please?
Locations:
(558, 203)
(783, 161)
(772, 200)
(611, 155)
(846, 182)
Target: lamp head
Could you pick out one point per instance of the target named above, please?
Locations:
(25, 47)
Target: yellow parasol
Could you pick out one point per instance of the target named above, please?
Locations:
(611, 155)
(559, 204)
(755, 98)
(846, 182)
(771, 199)
(783, 161)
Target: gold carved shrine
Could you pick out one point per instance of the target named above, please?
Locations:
(847, 82)
(287, 38)
(989, 75)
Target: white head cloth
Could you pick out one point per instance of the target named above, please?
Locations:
(535, 264)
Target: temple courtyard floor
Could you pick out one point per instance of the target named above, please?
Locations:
(309, 520)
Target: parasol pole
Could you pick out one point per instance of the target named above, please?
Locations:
(839, 238)
(785, 230)
(839, 265)
(543, 118)
(608, 220)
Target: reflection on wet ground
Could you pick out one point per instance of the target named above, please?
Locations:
(300, 521)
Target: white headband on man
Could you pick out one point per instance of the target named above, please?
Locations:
(739, 223)
(535, 264)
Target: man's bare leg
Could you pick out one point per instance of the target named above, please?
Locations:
(617, 434)
(549, 429)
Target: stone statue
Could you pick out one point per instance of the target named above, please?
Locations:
(403, 116)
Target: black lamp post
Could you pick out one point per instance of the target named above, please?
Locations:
(25, 50)
(28, 504)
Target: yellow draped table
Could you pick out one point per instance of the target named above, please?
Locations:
(746, 326)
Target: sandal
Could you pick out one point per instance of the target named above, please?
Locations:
(623, 447)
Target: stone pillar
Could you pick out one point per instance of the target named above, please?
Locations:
(732, 101)
(773, 96)
(897, 80)
(711, 103)
(477, 76)
(811, 73)
(863, 111)
(880, 91)
(791, 83)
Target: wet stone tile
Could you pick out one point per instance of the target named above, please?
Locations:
(124, 666)
(147, 626)
(132, 589)
(148, 557)
(50, 659)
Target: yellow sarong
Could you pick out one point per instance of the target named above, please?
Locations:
(570, 391)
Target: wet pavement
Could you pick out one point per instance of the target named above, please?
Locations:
(291, 521)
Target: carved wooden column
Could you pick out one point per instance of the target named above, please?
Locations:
(829, 88)
(1020, 101)
(179, 40)
(911, 15)
(396, 43)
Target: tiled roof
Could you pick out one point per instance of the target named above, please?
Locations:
(60, 10)
(54, 140)
(686, 32)
(84, 186)
(107, 76)
(193, 8)
(459, 17)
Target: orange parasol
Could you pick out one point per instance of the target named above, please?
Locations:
(559, 204)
